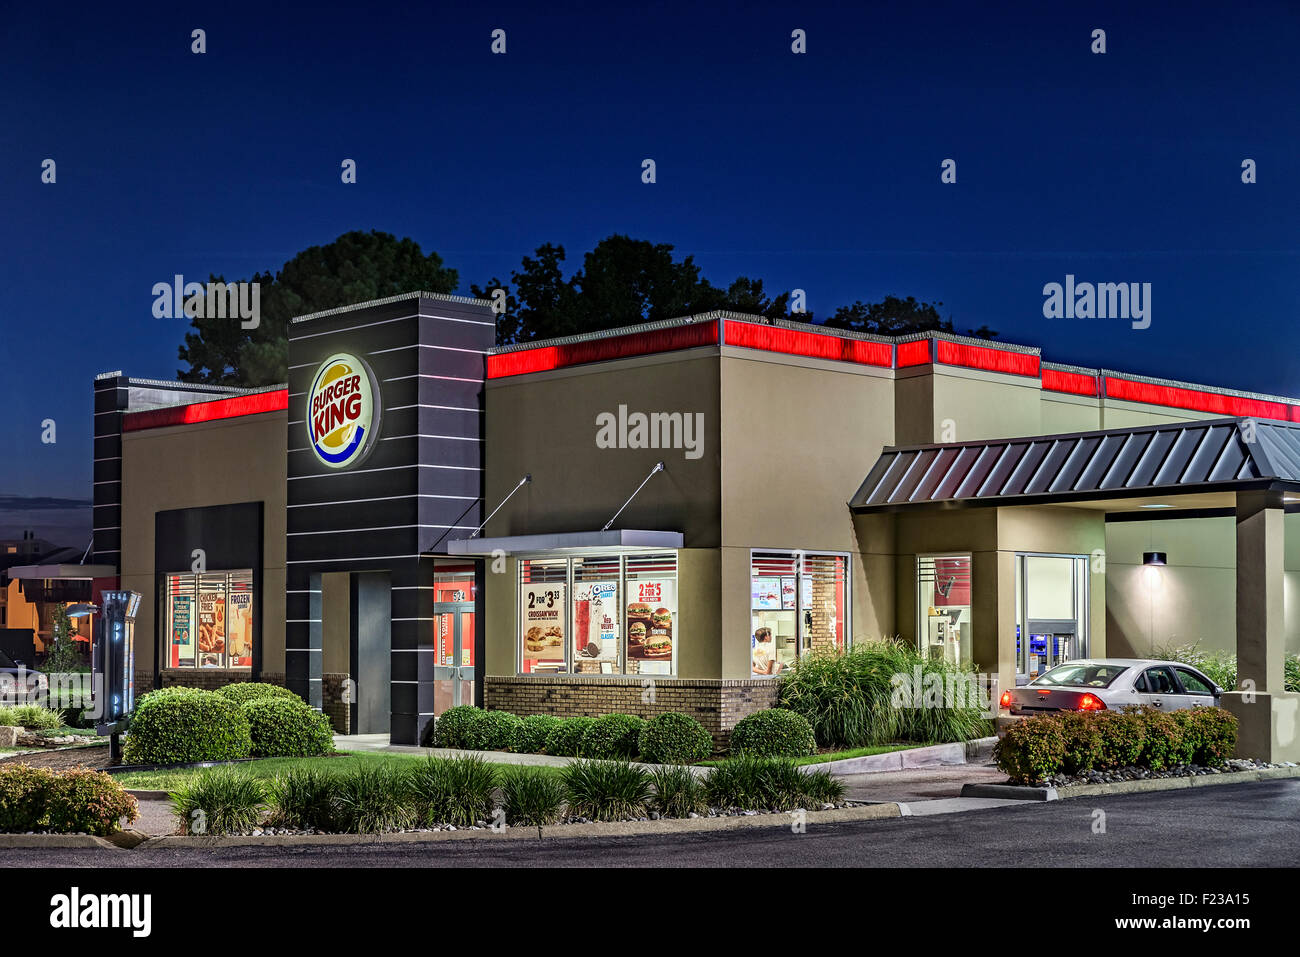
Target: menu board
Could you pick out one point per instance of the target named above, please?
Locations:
(182, 633)
(765, 593)
(651, 614)
(541, 618)
(595, 621)
(212, 629)
(239, 629)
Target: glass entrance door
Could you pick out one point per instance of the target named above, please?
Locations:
(454, 670)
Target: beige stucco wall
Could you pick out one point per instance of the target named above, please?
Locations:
(224, 462)
(1193, 600)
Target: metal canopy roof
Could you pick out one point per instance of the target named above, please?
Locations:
(1215, 454)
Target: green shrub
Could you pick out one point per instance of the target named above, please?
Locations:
(1082, 739)
(869, 695)
(1212, 735)
(24, 796)
(185, 725)
(303, 798)
(373, 798)
(678, 792)
(1123, 737)
(32, 717)
(77, 801)
(1290, 675)
(674, 738)
(606, 790)
(1032, 750)
(494, 731)
(219, 801)
(455, 791)
(82, 801)
(777, 732)
(531, 797)
(612, 737)
(565, 739)
(532, 733)
(1164, 740)
(280, 728)
(242, 692)
(456, 727)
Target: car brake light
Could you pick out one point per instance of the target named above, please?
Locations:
(1006, 699)
(1090, 702)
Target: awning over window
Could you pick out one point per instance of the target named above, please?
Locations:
(616, 539)
(1212, 455)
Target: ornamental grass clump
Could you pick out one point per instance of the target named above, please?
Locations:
(372, 799)
(304, 799)
(457, 791)
(678, 792)
(220, 801)
(606, 790)
(531, 797)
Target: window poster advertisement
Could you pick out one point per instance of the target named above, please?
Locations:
(595, 621)
(787, 592)
(541, 616)
(651, 614)
(239, 629)
(182, 630)
(212, 629)
(765, 594)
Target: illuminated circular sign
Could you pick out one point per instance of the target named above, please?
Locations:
(342, 411)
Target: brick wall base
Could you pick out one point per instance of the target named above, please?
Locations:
(718, 704)
(209, 679)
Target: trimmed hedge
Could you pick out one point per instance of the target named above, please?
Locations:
(494, 730)
(565, 739)
(78, 801)
(455, 727)
(283, 728)
(1069, 742)
(531, 735)
(612, 737)
(185, 725)
(243, 692)
(774, 733)
(674, 738)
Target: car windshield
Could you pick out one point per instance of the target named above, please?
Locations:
(1080, 674)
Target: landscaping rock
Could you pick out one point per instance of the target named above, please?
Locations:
(9, 736)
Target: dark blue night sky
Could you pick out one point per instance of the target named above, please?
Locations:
(818, 171)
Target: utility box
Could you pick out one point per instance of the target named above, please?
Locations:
(113, 662)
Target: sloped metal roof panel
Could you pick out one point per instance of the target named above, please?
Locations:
(1115, 461)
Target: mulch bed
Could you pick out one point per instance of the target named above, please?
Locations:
(94, 756)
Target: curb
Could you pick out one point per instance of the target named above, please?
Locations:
(929, 756)
(8, 841)
(608, 829)
(149, 795)
(1143, 786)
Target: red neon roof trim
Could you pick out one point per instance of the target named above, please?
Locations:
(796, 342)
(916, 353)
(543, 358)
(1196, 400)
(230, 408)
(984, 357)
(1075, 383)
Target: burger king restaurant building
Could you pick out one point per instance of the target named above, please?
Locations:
(664, 517)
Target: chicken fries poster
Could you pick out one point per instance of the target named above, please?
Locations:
(212, 629)
(541, 616)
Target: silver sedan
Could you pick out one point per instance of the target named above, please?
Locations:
(1098, 684)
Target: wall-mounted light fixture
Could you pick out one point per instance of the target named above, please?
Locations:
(1152, 562)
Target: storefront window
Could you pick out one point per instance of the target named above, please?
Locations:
(798, 605)
(943, 590)
(542, 615)
(651, 595)
(210, 620)
(606, 614)
(597, 623)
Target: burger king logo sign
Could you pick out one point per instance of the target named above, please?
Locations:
(342, 411)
